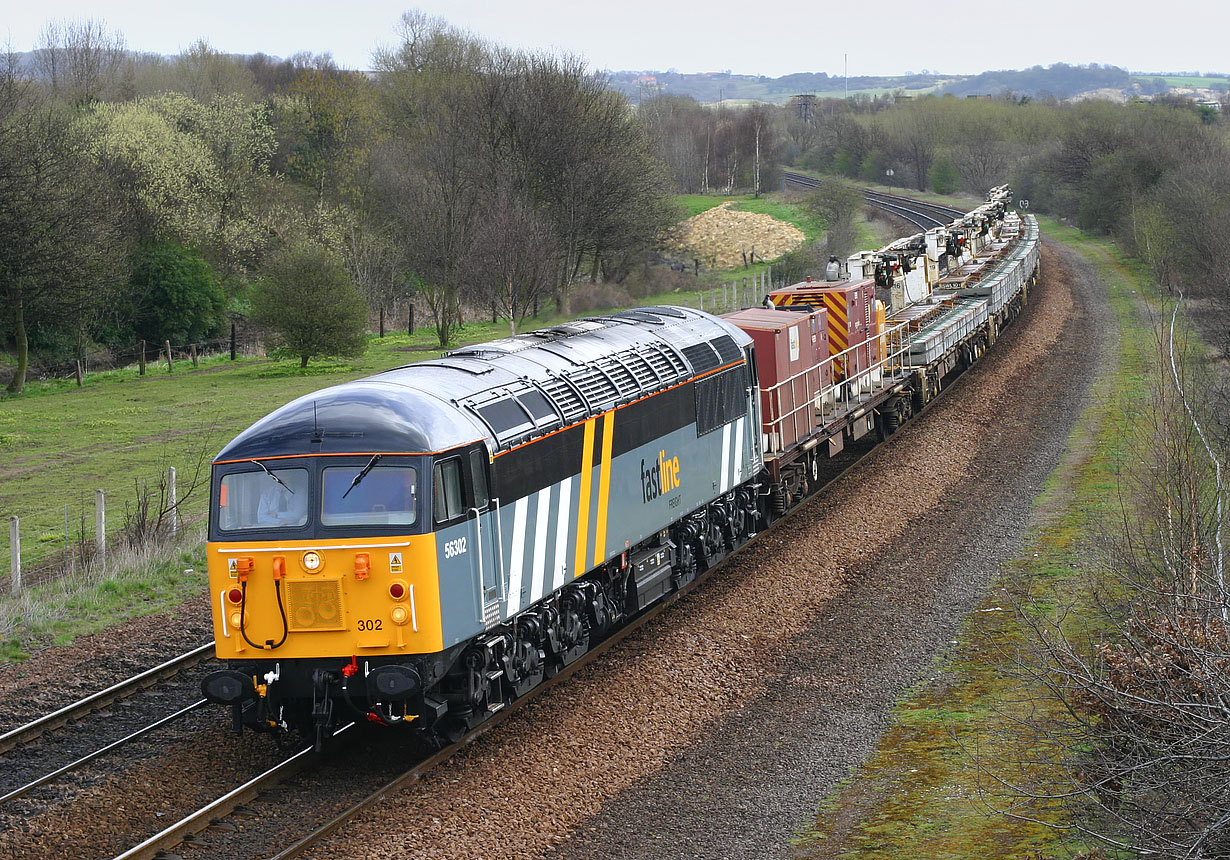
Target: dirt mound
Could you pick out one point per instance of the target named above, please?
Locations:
(720, 236)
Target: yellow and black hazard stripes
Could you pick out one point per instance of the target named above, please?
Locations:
(839, 324)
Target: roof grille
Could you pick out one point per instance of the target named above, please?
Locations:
(625, 382)
(565, 398)
(645, 377)
(666, 363)
(597, 389)
(726, 348)
(702, 357)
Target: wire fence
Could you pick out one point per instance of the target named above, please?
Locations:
(745, 292)
(148, 357)
(45, 544)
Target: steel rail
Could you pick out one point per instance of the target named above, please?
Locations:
(197, 821)
(86, 759)
(914, 211)
(99, 700)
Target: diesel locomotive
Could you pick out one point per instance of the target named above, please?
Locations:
(421, 547)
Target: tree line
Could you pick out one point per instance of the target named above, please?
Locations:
(153, 198)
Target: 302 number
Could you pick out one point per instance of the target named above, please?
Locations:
(454, 548)
(371, 624)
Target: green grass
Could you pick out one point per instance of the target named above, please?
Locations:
(766, 204)
(931, 787)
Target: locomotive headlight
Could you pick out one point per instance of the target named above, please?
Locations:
(399, 614)
(236, 619)
(312, 561)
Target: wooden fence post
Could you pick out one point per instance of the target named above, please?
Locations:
(382, 320)
(100, 526)
(172, 501)
(232, 341)
(410, 325)
(142, 359)
(79, 373)
(15, 555)
(170, 367)
(192, 351)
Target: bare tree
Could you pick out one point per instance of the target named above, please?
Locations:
(514, 259)
(1145, 682)
(81, 59)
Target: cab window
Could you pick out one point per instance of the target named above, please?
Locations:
(478, 475)
(446, 490)
(277, 499)
(386, 495)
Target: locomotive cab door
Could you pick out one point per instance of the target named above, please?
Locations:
(468, 541)
(484, 512)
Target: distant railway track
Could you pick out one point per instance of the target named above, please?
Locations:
(103, 698)
(919, 213)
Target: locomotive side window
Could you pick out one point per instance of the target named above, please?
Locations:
(385, 495)
(277, 499)
(446, 490)
(478, 474)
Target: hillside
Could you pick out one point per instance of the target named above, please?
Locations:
(1062, 81)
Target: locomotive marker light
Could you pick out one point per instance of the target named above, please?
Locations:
(312, 561)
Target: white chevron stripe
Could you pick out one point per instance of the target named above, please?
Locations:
(517, 565)
(563, 516)
(725, 458)
(540, 543)
(738, 454)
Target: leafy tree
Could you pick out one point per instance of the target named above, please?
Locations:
(178, 297)
(61, 250)
(191, 171)
(308, 300)
(330, 119)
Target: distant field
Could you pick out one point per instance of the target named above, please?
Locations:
(1203, 82)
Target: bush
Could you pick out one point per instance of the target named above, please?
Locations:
(313, 308)
(176, 294)
(944, 177)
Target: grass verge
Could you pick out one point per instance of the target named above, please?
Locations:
(933, 787)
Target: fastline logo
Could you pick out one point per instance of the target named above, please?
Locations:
(659, 477)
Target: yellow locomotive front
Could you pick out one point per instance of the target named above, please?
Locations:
(363, 595)
(323, 554)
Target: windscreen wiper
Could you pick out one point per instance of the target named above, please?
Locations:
(362, 474)
(275, 477)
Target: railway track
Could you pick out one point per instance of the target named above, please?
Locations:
(103, 698)
(919, 213)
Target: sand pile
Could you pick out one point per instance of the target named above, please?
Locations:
(720, 236)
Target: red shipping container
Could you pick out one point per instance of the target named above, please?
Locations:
(791, 351)
(850, 322)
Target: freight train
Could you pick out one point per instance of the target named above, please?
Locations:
(422, 547)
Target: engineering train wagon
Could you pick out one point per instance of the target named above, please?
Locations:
(423, 545)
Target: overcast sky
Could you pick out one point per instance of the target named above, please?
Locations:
(771, 37)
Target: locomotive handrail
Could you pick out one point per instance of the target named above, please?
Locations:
(478, 541)
(898, 346)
